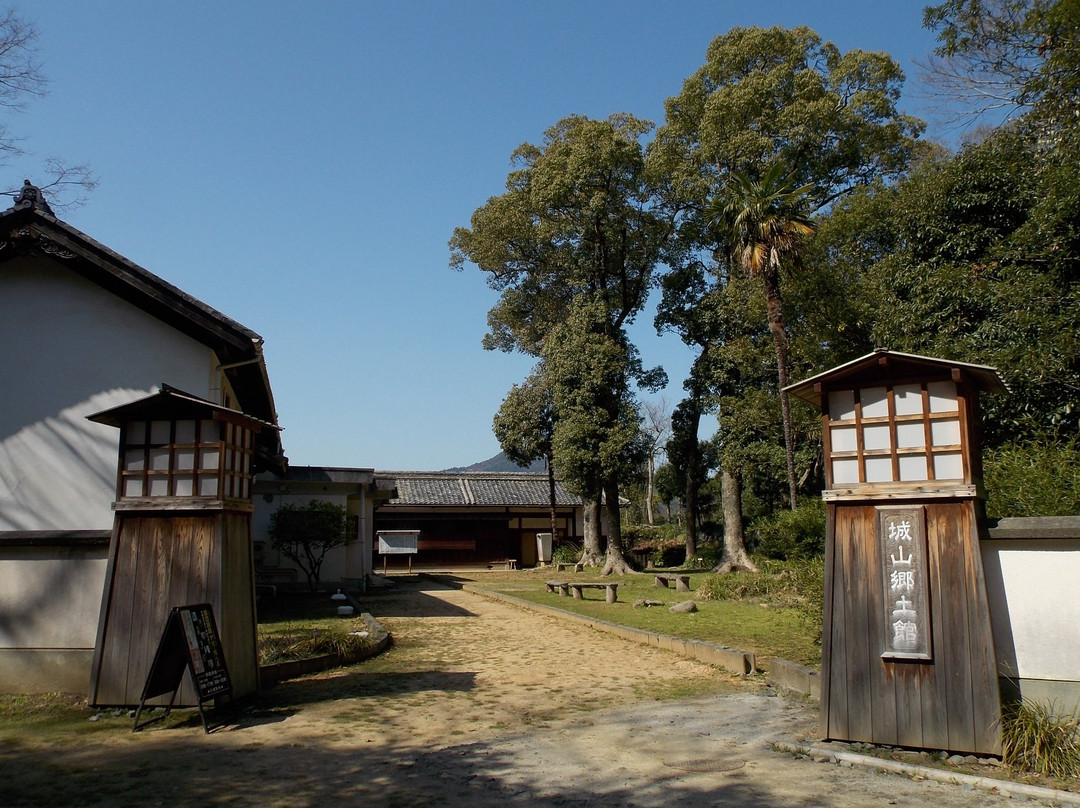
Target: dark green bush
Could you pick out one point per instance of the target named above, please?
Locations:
(1034, 478)
(788, 534)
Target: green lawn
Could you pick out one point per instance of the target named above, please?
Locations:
(774, 613)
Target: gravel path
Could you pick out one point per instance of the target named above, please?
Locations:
(480, 703)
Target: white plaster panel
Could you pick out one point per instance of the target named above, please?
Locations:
(75, 349)
(1032, 590)
(50, 597)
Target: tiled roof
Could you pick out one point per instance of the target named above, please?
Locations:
(479, 489)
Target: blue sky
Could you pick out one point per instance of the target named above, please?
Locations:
(300, 166)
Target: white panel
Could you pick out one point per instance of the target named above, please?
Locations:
(945, 433)
(1032, 610)
(57, 590)
(185, 459)
(942, 396)
(875, 402)
(843, 439)
(845, 471)
(160, 431)
(133, 487)
(842, 405)
(159, 486)
(185, 431)
(183, 485)
(913, 468)
(948, 466)
(876, 436)
(911, 434)
(136, 433)
(209, 459)
(159, 459)
(908, 398)
(208, 431)
(207, 486)
(81, 350)
(135, 460)
(879, 470)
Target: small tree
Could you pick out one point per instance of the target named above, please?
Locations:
(306, 533)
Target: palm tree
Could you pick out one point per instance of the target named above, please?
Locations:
(765, 223)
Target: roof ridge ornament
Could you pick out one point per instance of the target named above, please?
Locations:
(30, 196)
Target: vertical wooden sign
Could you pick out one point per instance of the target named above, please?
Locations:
(905, 582)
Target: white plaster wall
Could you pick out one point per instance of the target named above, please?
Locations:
(72, 349)
(334, 567)
(50, 596)
(1032, 588)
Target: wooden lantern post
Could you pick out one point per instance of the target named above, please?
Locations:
(181, 535)
(907, 650)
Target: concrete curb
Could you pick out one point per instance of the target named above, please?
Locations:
(1004, 788)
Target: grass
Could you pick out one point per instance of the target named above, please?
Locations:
(1037, 740)
(302, 625)
(774, 613)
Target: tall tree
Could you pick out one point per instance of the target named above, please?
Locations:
(765, 97)
(525, 429)
(1009, 56)
(598, 437)
(575, 236)
(657, 428)
(764, 223)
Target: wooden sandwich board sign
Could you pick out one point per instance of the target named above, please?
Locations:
(190, 642)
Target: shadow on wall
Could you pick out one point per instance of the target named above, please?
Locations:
(60, 472)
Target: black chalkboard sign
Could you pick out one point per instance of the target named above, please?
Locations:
(189, 642)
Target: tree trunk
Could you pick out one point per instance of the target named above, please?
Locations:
(591, 552)
(693, 482)
(735, 556)
(552, 501)
(649, 490)
(615, 563)
(779, 334)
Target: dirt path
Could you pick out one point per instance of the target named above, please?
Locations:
(478, 704)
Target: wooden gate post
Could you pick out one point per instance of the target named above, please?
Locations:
(181, 535)
(907, 650)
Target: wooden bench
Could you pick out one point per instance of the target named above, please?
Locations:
(612, 590)
(562, 566)
(509, 563)
(682, 582)
(562, 586)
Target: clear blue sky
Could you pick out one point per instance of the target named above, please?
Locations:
(300, 166)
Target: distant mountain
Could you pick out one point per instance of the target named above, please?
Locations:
(500, 463)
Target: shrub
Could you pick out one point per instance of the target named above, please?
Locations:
(787, 534)
(1035, 739)
(565, 554)
(1034, 478)
(306, 643)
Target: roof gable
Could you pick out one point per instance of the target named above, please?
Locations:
(31, 229)
(882, 364)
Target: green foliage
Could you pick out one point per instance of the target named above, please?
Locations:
(1033, 478)
(306, 533)
(565, 554)
(792, 535)
(1035, 739)
(782, 583)
(775, 94)
(1009, 53)
(525, 422)
(973, 258)
(796, 585)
